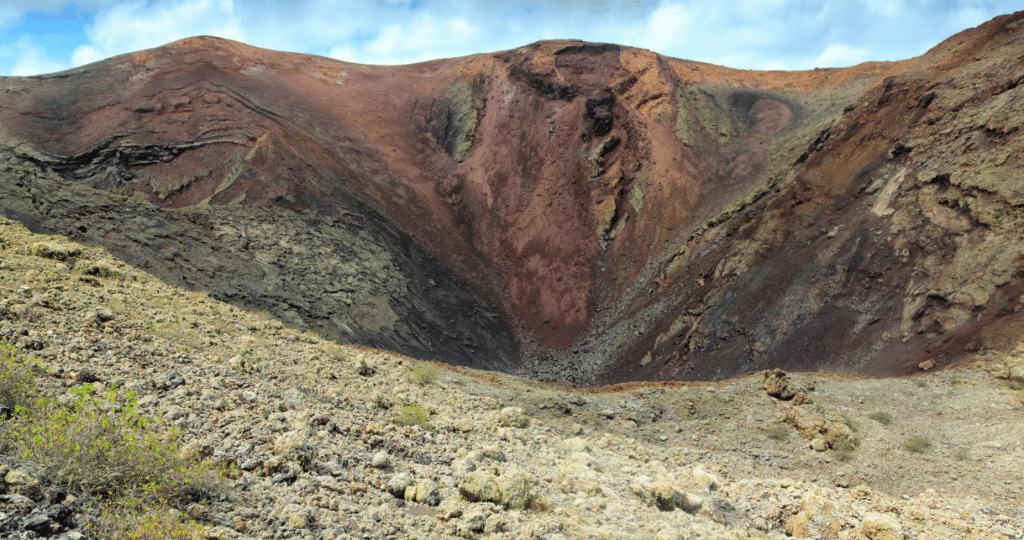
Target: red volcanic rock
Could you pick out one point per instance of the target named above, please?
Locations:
(587, 212)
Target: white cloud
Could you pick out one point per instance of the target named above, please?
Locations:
(29, 59)
(665, 27)
(758, 8)
(750, 34)
(968, 18)
(133, 26)
(344, 53)
(890, 9)
(422, 38)
(841, 55)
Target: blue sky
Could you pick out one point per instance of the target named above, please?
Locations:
(44, 36)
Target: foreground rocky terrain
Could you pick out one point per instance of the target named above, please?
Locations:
(337, 441)
(569, 211)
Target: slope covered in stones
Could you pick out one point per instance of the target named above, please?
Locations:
(342, 442)
(575, 211)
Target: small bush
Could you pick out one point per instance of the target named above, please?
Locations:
(53, 251)
(103, 446)
(777, 432)
(850, 423)
(364, 369)
(101, 270)
(146, 523)
(16, 384)
(917, 445)
(844, 456)
(883, 418)
(424, 373)
(920, 383)
(381, 401)
(412, 415)
(961, 454)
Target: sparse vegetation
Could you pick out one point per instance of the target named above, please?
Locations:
(381, 401)
(920, 383)
(411, 415)
(917, 445)
(850, 422)
(117, 523)
(844, 456)
(364, 369)
(176, 333)
(15, 381)
(961, 454)
(101, 446)
(777, 432)
(424, 373)
(883, 418)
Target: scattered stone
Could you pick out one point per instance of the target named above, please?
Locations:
(306, 447)
(463, 466)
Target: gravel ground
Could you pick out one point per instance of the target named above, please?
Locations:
(336, 441)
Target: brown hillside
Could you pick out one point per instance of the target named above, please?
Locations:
(576, 211)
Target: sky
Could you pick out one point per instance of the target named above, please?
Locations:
(45, 36)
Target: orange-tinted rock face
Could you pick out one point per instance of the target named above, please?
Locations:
(610, 213)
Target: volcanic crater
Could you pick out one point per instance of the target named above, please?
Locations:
(588, 213)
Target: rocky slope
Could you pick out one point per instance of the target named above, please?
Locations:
(575, 211)
(326, 446)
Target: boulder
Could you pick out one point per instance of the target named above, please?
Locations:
(777, 384)
(814, 423)
(878, 526)
(668, 498)
(816, 518)
(400, 484)
(513, 417)
(422, 492)
(380, 461)
(513, 488)
(295, 446)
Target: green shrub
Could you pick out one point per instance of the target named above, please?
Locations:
(411, 415)
(16, 384)
(961, 454)
(920, 383)
(103, 446)
(883, 418)
(145, 523)
(917, 445)
(844, 456)
(424, 373)
(777, 432)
